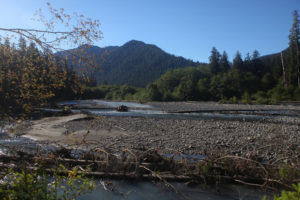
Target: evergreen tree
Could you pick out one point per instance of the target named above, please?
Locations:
(214, 61)
(237, 62)
(22, 43)
(294, 52)
(255, 55)
(7, 42)
(153, 93)
(257, 67)
(247, 63)
(224, 63)
(31, 76)
(185, 89)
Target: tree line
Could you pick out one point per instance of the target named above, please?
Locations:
(29, 78)
(266, 79)
(30, 73)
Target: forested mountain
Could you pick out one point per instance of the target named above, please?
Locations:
(135, 63)
(246, 79)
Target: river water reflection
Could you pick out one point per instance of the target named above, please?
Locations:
(108, 108)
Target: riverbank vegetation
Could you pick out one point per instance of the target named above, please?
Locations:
(216, 169)
(30, 78)
(30, 73)
(28, 184)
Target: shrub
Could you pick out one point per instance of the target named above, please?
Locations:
(290, 195)
(37, 186)
(261, 97)
(246, 98)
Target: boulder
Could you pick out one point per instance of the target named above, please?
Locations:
(122, 108)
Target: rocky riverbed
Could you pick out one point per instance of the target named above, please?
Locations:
(268, 140)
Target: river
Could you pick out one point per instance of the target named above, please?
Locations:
(150, 190)
(108, 108)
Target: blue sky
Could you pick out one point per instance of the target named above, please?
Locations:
(188, 28)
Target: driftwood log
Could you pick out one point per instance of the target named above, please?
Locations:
(150, 165)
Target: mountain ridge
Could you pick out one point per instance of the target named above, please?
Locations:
(135, 62)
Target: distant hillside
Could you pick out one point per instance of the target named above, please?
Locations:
(135, 63)
(273, 64)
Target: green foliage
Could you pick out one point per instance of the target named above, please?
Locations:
(287, 173)
(233, 100)
(238, 62)
(246, 98)
(126, 91)
(179, 84)
(279, 93)
(24, 185)
(185, 89)
(214, 61)
(37, 186)
(296, 93)
(203, 89)
(268, 81)
(261, 97)
(290, 195)
(111, 92)
(224, 63)
(152, 93)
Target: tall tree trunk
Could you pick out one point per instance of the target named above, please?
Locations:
(284, 72)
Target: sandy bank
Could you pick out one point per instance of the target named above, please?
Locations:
(55, 130)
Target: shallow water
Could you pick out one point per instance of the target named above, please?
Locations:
(107, 108)
(111, 104)
(150, 190)
(11, 145)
